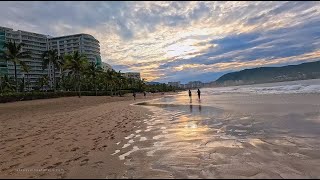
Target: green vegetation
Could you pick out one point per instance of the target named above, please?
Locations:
(51, 57)
(13, 53)
(309, 70)
(78, 77)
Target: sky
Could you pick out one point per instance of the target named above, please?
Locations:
(181, 40)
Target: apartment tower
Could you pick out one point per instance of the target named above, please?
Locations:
(38, 44)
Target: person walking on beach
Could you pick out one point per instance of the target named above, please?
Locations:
(145, 94)
(134, 95)
(190, 94)
(199, 93)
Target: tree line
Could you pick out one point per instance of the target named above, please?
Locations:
(76, 74)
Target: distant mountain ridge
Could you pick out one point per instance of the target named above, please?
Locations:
(308, 70)
(152, 83)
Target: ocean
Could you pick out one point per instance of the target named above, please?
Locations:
(254, 131)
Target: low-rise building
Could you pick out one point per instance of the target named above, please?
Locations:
(106, 66)
(174, 84)
(134, 75)
(192, 84)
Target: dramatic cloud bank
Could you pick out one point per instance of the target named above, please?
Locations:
(181, 41)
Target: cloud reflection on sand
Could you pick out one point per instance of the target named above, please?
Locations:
(201, 140)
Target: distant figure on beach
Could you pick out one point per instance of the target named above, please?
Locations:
(144, 94)
(199, 92)
(134, 95)
(190, 94)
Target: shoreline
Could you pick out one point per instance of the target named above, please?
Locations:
(116, 137)
(67, 137)
(229, 142)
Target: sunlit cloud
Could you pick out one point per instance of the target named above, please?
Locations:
(167, 41)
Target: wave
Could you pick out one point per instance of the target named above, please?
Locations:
(285, 89)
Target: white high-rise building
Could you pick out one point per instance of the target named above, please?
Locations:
(84, 43)
(34, 42)
(39, 43)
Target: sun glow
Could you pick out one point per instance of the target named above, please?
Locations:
(187, 49)
(177, 50)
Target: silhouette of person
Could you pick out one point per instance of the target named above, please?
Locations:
(199, 92)
(134, 95)
(145, 94)
(190, 96)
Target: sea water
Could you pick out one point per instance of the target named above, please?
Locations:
(254, 131)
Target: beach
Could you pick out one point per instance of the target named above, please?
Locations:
(258, 131)
(241, 136)
(66, 137)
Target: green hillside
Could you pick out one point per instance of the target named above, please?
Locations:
(309, 70)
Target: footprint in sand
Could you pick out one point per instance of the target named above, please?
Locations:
(75, 148)
(57, 164)
(84, 162)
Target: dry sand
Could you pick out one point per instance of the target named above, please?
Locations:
(66, 137)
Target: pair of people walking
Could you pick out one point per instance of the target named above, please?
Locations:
(198, 92)
(134, 95)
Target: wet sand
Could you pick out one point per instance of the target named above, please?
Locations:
(261, 136)
(66, 137)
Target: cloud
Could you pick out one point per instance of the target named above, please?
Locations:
(168, 41)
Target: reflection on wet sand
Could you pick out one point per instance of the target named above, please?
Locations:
(200, 141)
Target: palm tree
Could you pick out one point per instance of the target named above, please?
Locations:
(120, 80)
(101, 78)
(6, 86)
(106, 79)
(142, 84)
(62, 69)
(14, 53)
(25, 68)
(113, 80)
(93, 70)
(52, 57)
(43, 81)
(76, 64)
